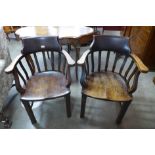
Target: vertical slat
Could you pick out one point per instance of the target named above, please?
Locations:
(107, 60)
(18, 85)
(30, 63)
(59, 61)
(87, 64)
(52, 60)
(48, 54)
(21, 65)
(99, 61)
(21, 76)
(44, 58)
(131, 75)
(64, 65)
(92, 61)
(123, 64)
(37, 63)
(127, 71)
(115, 62)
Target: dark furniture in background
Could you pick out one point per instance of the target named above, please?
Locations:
(11, 29)
(110, 72)
(42, 72)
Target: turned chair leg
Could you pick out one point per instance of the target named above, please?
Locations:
(83, 105)
(29, 112)
(68, 105)
(122, 112)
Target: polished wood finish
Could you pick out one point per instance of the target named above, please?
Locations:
(108, 86)
(45, 85)
(42, 72)
(115, 79)
(142, 40)
(75, 36)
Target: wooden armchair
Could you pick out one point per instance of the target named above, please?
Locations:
(42, 72)
(110, 72)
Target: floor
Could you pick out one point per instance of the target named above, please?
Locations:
(99, 114)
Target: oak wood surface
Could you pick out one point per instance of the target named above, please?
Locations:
(106, 85)
(45, 85)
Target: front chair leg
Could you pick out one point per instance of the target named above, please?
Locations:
(122, 112)
(29, 112)
(83, 105)
(68, 106)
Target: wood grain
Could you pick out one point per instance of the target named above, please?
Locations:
(108, 86)
(45, 85)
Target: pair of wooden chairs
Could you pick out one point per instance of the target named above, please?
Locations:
(109, 72)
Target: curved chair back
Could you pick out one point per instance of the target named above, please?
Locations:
(111, 43)
(111, 53)
(36, 44)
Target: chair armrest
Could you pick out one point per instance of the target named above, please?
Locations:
(70, 61)
(81, 61)
(142, 68)
(10, 68)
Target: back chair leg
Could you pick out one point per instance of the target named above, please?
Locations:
(83, 105)
(68, 105)
(122, 112)
(29, 112)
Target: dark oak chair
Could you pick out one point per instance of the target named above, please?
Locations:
(42, 72)
(110, 72)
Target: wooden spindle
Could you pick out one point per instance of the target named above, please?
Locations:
(18, 85)
(21, 76)
(52, 60)
(107, 60)
(92, 61)
(26, 74)
(128, 70)
(87, 64)
(44, 59)
(115, 62)
(59, 61)
(30, 64)
(37, 63)
(99, 61)
(132, 74)
(123, 64)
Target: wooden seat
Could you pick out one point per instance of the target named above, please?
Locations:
(107, 85)
(110, 72)
(42, 72)
(51, 85)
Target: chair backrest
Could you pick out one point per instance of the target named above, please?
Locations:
(36, 44)
(111, 43)
(45, 53)
(40, 54)
(111, 53)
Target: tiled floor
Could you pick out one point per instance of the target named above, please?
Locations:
(99, 114)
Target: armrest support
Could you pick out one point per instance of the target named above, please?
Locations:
(81, 61)
(70, 61)
(10, 68)
(142, 68)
